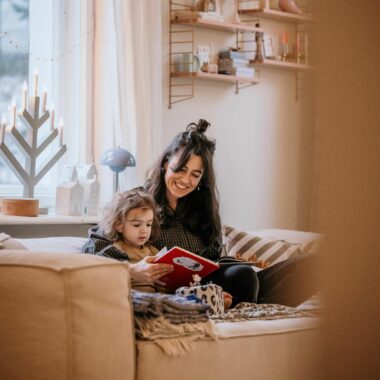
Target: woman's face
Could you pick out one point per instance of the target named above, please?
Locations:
(185, 181)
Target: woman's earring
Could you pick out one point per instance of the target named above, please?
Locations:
(199, 187)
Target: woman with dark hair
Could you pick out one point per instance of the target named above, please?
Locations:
(183, 184)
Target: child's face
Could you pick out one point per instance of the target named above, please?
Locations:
(137, 226)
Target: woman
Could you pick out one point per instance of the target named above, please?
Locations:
(183, 185)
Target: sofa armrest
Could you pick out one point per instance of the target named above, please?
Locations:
(65, 316)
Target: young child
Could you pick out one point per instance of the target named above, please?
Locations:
(131, 222)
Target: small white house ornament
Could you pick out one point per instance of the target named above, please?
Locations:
(78, 194)
(69, 198)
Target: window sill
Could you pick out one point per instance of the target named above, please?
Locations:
(47, 219)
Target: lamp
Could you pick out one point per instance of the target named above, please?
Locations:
(118, 159)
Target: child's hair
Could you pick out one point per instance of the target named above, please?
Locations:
(116, 211)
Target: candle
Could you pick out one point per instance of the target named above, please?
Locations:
(285, 39)
(52, 112)
(2, 128)
(61, 132)
(13, 113)
(298, 48)
(306, 48)
(35, 82)
(24, 96)
(44, 97)
(298, 43)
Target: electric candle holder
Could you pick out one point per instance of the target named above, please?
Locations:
(30, 174)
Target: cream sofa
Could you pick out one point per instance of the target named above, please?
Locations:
(68, 316)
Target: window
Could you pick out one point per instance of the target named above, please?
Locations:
(50, 38)
(14, 66)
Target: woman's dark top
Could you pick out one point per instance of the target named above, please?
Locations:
(175, 233)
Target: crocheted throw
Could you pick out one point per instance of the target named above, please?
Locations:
(246, 311)
(175, 323)
(172, 322)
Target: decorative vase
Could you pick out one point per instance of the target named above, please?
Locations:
(289, 6)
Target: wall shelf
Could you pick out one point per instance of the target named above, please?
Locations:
(277, 15)
(270, 63)
(215, 25)
(216, 77)
(184, 19)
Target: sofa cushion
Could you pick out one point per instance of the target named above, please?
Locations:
(7, 242)
(278, 349)
(54, 244)
(64, 316)
(266, 251)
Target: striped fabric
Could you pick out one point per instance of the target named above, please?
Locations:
(264, 251)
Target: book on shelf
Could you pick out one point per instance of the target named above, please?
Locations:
(185, 264)
(238, 62)
(232, 54)
(246, 72)
(252, 5)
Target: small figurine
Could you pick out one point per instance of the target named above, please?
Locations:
(197, 280)
(259, 56)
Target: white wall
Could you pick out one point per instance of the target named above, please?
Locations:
(263, 141)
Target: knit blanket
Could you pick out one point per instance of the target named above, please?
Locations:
(246, 311)
(176, 309)
(172, 322)
(175, 323)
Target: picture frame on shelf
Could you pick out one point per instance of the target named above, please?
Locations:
(204, 54)
(212, 6)
(269, 51)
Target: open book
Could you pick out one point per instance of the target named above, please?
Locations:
(186, 264)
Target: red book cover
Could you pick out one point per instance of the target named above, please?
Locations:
(186, 264)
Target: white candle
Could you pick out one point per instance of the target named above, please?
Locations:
(2, 128)
(61, 132)
(52, 112)
(35, 82)
(24, 96)
(44, 97)
(13, 113)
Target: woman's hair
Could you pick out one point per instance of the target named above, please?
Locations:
(200, 208)
(116, 212)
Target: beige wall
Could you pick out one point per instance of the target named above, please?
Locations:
(347, 196)
(264, 142)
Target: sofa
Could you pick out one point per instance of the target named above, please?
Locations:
(65, 315)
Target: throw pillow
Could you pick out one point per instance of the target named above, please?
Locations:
(263, 251)
(7, 242)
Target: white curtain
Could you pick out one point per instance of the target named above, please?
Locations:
(127, 86)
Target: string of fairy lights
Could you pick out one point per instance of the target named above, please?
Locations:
(9, 39)
(18, 46)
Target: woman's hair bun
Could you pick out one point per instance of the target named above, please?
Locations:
(201, 127)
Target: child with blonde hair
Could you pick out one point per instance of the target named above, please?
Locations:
(130, 222)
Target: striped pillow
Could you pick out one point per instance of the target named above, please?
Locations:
(265, 252)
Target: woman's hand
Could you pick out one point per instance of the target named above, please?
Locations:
(146, 271)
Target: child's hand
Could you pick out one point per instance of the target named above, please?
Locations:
(227, 300)
(146, 271)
